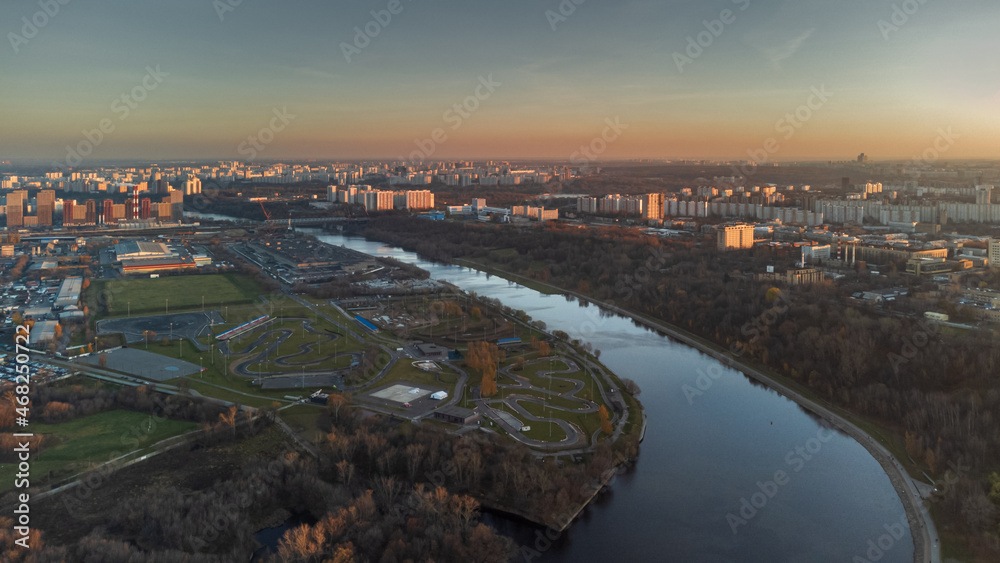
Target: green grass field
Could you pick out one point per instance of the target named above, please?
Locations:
(302, 420)
(92, 440)
(115, 298)
(588, 422)
(545, 431)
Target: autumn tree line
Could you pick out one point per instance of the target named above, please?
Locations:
(397, 461)
(485, 357)
(942, 387)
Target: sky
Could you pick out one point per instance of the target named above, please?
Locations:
(734, 79)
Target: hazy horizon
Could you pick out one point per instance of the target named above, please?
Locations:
(211, 77)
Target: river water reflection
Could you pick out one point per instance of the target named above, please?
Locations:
(811, 494)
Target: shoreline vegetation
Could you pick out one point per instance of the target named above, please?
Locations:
(916, 516)
(928, 453)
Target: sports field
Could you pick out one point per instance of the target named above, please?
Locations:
(114, 298)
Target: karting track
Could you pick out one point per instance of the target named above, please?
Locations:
(284, 379)
(574, 435)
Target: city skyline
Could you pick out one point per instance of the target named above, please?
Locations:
(207, 80)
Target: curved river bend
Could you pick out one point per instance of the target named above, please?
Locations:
(684, 499)
(812, 494)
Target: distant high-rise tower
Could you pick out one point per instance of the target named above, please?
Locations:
(862, 158)
(91, 218)
(108, 212)
(652, 207)
(176, 198)
(15, 208)
(68, 211)
(144, 210)
(984, 195)
(46, 203)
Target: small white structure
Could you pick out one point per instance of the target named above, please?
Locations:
(439, 396)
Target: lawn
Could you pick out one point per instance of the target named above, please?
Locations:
(555, 385)
(92, 440)
(588, 422)
(556, 400)
(545, 431)
(302, 420)
(111, 298)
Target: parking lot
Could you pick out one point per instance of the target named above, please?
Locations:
(397, 395)
(147, 365)
(180, 325)
(37, 371)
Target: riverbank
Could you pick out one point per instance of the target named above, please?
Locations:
(921, 525)
(563, 521)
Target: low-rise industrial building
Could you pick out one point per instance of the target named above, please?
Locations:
(456, 415)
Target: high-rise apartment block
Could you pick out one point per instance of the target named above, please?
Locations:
(46, 204)
(735, 237)
(15, 208)
(652, 207)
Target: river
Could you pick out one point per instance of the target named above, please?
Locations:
(701, 457)
(736, 474)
